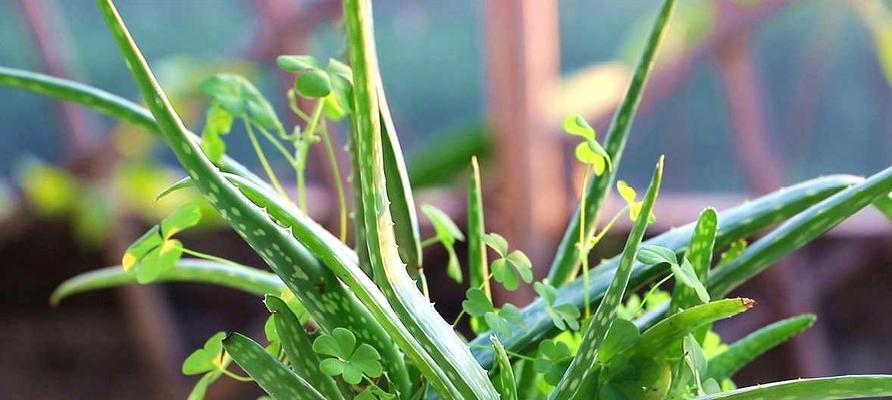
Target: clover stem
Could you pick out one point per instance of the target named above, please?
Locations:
(302, 149)
(336, 174)
(429, 241)
(652, 290)
(583, 249)
(235, 376)
(277, 144)
(263, 161)
(211, 257)
(508, 352)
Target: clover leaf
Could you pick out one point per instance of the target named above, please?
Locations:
(156, 251)
(649, 254)
(684, 272)
(500, 320)
(552, 361)
(447, 233)
(496, 242)
(628, 194)
(589, 151)
(207, 358)
(512, 268)
(564, 316)
(240, 98)
(347, 360)
(217, 123)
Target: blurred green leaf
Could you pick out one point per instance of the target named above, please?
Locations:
(206, 358)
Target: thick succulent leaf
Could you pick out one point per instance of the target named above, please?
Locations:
(674, 328)
(700, 256)
(478, 264)
(798, 231)
(343, 262)
(249, 280)
(830, 388)
(580, 368)
(505, 380)
(884, 204)
(299, 349)
(402, 203)
(742, 352)
(103, 102)
(466, 379)
(316, 286)
(734, 224)
(566, 262)
(274, 377)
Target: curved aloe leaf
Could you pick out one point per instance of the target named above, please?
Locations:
(736, 223)
(274, 377)
(101, 101)
(506, 382)
(402, 204)
(249, 280)
(742, 352)
(830, 388)
(442, 344)
(661, 336)
(307, 278)
(478, 266)
(798, 231)
(566, 261)
(580, 368)
(299, 348)
(345, 265)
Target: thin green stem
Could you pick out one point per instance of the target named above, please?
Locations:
(583, 248)
(263, 161)
(429, 241)
(302, 149)
(276, 143)
(336, 174)
(223, 364)
(650, 292)
(510, 353)
(462, 313)
(212, 257)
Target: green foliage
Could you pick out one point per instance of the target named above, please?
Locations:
(156, 251)
(371, 307)
(500, 320)
(348, 360)
(447, 233)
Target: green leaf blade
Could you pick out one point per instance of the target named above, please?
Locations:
(566, 262)
(579, 370)
(830, 388)
(742, 352)
(274, 377)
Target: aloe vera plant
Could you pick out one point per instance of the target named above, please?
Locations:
(377, 335)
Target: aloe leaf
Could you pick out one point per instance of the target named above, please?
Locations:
(798, 231)
(506, 382)
(580, 368)
(478, 265)
(274, 377)
(103, 102)
(344, 263)
(742, 352)
(734, 224)
(316, 286)
(402, 204)
(299, 348)
(442, 344)
(661, 336)
(249, 280)
(566, 262)
(829, 388)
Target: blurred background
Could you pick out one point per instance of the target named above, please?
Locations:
(746, 97)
